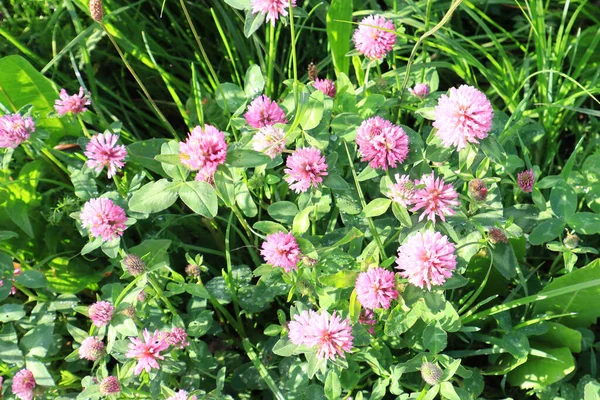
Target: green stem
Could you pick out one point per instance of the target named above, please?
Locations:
(161, 294)
(262, 370)
(293, 33)
(230, 283)
(364, 204)
(271, 62)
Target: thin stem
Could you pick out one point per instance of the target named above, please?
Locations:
(262, 370)
(293, 33)
(230, 283)
(141, 85)
(161, 294)
(364, 204)
(271, 62)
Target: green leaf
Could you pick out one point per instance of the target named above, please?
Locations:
(283, 211)
(154, 197)
(201, 324)
(559, 335)
(170, 161)
(333, 388)
(546, 231)
(339, 32)
(11, 312)
(17, 211)
(253, 22)
(400, 319)
(24, 85)
(505, 260)
(426, 112)
(435, 338)
(538, 199)
(448, 392)
(377, 207)
(243, 158)
(143, 152)
(40, 372)
(244, 200)
(579, 301)
(341, 279)
(37, 341)
(239, 4)
(84, 184)
(9, 350)
(563, 200)
(538, 372)
(32, 279)
(225, 185)
(254, 81)
(302, 221)
(6, 235)
(516, 343)
(201, 197)
(585, 222)
(311, 118)
(401, 214)
(268, 227)
(229, 96)
(285, 348)
(334, 181)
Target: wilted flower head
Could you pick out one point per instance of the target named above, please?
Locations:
(376, 288)
(269, 140)
(431, 373)
(381, 143)
(134, 265)
(91, 348)
(329, 334)
(571, 240)
(420, 90)
(496, 235)
(204, 150)
(264, 112)
(436, 198)
(326, 86)
(181, 395)
(271, 8)
(23, 384)
(146, 352)
(426, 259)
(101, 313)
(74, 104)
(103, 151)
(193, 270)
(281, 250)
(103, 218)
(478, 190)
(372, 41)
(129, 311)
(402, 191)
(526, 179)
(14, 130)
(110, 385)
(306, 167)
(465, 116)
(367, 319)
(177, 338)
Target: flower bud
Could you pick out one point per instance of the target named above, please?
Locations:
(135, 266)
(109, 385)
(129, 311)
(571, 241)
(431, 373)
(420, 90)
(478, 190)
(192, 270)
(96, 10)
(305, 288)
(496, 236)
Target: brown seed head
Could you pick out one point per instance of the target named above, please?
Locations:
(96, 10)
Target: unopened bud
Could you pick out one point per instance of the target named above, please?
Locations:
(141, 296)
(431, 373)
(135, 266)
(96, 10)
(110, 385)
(305, 288)
(478, 190)
(571, 241)
(309, 262)
(497, 236)
(192, 270)
(129, 311)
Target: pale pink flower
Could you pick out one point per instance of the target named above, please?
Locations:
(525, 180)
(381, 143)
(367, 319)
(465, 116)
(435, 197)
(146, 352)
(103, 218)
(272, 8)
(281, 250)
(326, 86)
(204, 150)
(376, 288)
(426, 259)
(402, 191)
(14, 130)
(269, 140)
(373, 39)
(420, 90)
(329, 334)
(182, 395)
(177, 338)
(103, 151)
(110, 385)
(306, 167)
(264, 112)
(101, 313)
(23, 384)
(91, 348)
(75, 104)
